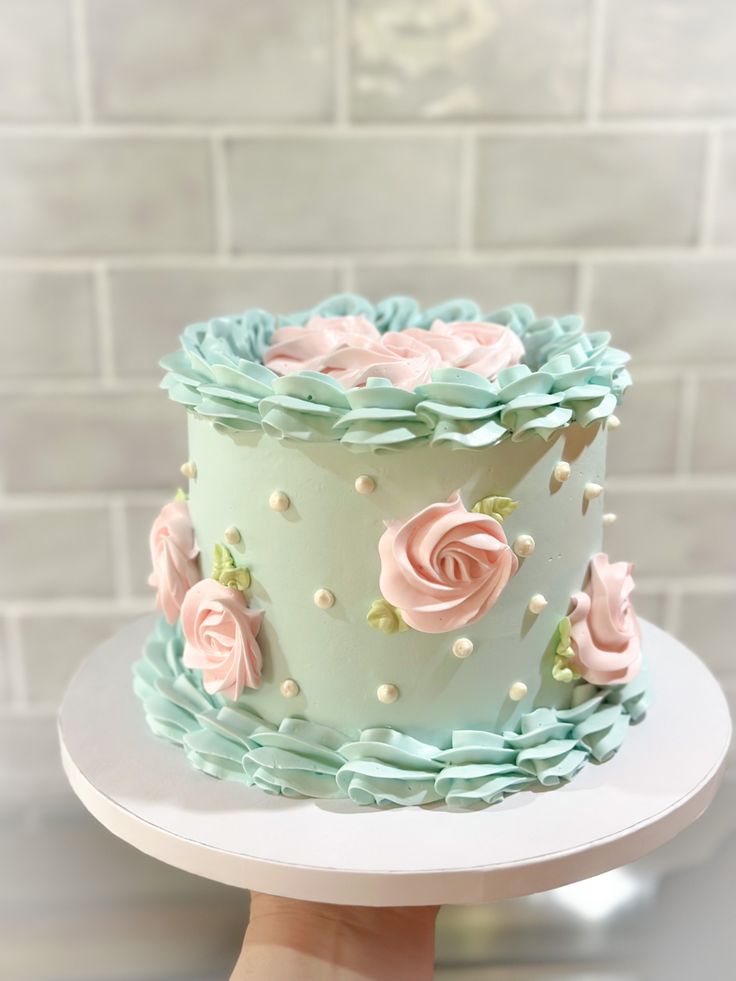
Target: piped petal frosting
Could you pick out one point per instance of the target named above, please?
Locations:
(219, 372)
(380, 766)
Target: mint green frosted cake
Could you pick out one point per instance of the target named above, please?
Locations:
(385, 581)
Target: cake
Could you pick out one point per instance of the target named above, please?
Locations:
(385, 581)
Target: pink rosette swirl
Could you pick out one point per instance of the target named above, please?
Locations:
(174, 556)
(351, 350)
(303, 348)
(604, 630)
(220, 632)
(445, 567)
(484, 348)
(403, 361)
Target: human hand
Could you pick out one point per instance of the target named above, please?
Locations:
(294, 940)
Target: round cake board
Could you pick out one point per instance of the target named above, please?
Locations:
(145, 791)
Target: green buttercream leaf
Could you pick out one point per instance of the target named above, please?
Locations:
(383, 616)
(225, 571)
(181, 495)
(221, 560)
(563, 634)
(562, 669)
(235, 578)
(495, 507)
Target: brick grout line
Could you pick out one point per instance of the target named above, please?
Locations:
(81, 59)
(596, 46)
(16, 665)
(75, 606)
(583, 275)
(40, 387)
(688, 407)
(346, 276)
(440, 129)
(467, 188)
(33, 710)
(672, 618)
(103, 318)
(75, 500)
(502, 255)
(709, 188)
(220, 196)
(342, 66)
(119, 537)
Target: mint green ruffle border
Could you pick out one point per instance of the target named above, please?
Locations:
(382, 767)
(567, 376)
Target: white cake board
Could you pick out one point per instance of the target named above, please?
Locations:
(145, 791)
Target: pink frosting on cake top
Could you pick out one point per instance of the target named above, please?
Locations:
(604, 630)
(352, 350)
(490, 347)
(220, 632)
(445, 567)
(174, 557)
(301, 348)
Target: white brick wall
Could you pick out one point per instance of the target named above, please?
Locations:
(165, 160)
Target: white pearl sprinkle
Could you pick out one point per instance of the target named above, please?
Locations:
(289, 688)
(365, 484)
(537, 603)
(387, 694)
(324, 599)
(592, 490)
(524, 545)
(609, 518)
(463, 647)
(231, 535)
(278, 501)
(517, 691)
(613, 422)
(189, 469)
(562, 471)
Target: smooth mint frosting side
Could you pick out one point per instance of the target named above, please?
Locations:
(567, 376)
(378, 766)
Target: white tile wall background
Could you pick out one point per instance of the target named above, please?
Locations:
(163, 161)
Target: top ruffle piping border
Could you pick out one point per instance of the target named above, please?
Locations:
(568, 376)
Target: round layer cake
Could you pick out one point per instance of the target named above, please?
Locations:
(386, 579)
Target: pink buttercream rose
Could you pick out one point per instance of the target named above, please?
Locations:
(174, 556)
(445, 567)
(490, 347)
(403, 361)
(300, 348)
(352, 350)
(604, 630)
(220, 632)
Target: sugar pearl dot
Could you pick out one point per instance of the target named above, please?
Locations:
(463, 647)
(289, 688)
(613, 422)
(231, 535)
(562, 471)
(524, 545)
(189, 469)
(592, 490)
(387, 694)
(537, 603)
(278, 501)
(324, 599)
(365, 484)
(609, 518)
(517, 691)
